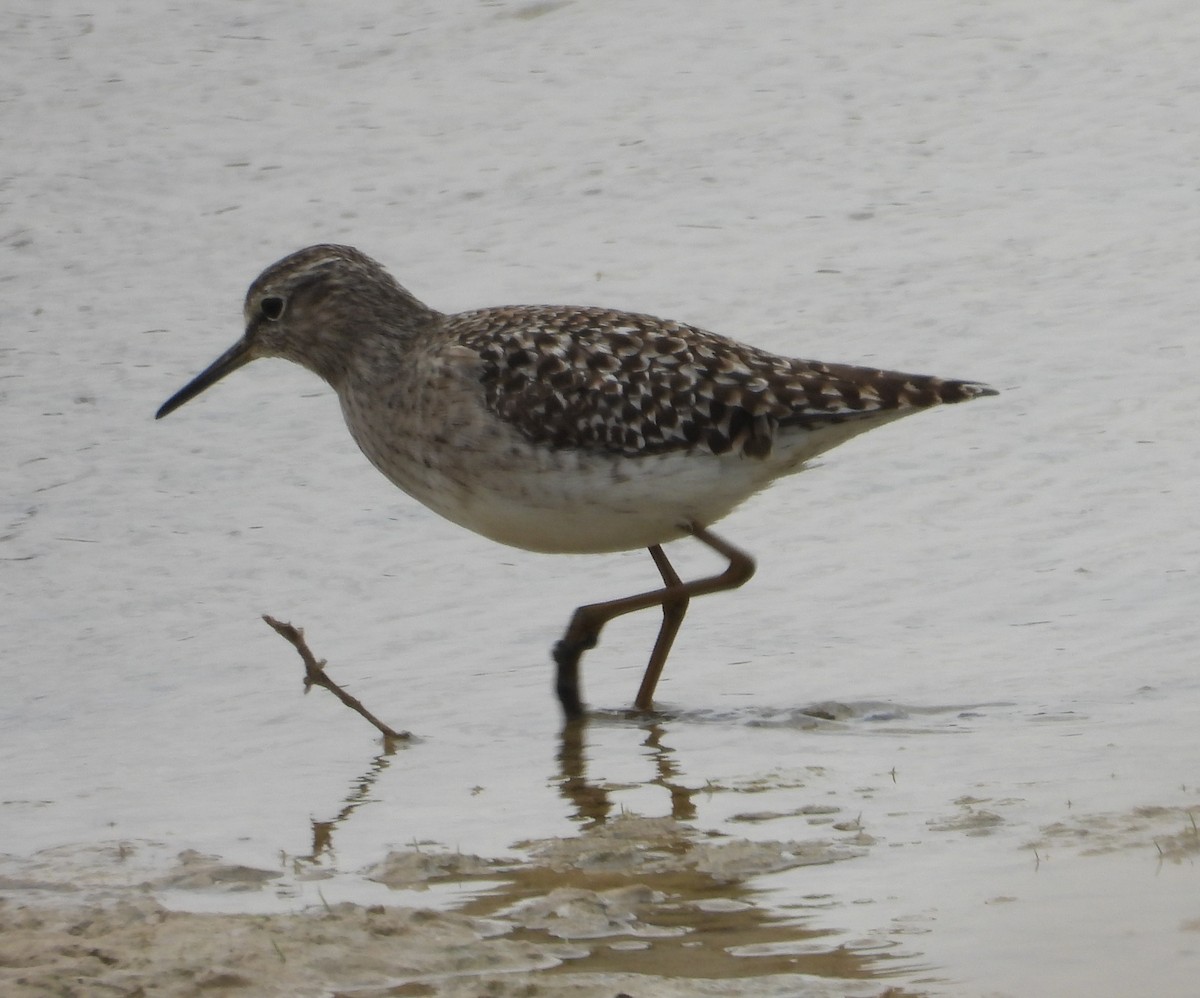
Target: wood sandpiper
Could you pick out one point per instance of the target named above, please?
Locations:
(564, 429)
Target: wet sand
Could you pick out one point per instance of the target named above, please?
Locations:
(636, 906)
(631, 906)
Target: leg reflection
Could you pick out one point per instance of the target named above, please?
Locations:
(591, 801)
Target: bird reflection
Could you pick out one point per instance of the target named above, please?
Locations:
(591, 801)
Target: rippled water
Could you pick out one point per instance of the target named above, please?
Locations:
(964, 674)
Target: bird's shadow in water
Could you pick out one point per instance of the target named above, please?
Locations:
(590, 801)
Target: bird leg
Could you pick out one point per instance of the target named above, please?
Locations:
(584, 630)
(673, 610)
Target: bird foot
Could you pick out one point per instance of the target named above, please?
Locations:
(567, 653)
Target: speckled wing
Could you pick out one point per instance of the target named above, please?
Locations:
(632, 384)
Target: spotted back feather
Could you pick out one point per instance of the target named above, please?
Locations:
(633, 384)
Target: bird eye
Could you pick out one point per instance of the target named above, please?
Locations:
(271, 308)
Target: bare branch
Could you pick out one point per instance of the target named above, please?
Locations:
(314, 675)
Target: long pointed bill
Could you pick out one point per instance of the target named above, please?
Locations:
(233, 358)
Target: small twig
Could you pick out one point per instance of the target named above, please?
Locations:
(314, 675)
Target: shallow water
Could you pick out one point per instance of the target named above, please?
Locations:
(885, 843)
(965, 668)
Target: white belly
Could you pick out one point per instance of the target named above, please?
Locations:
(566, 501)
(579, 502)
(475, 469)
